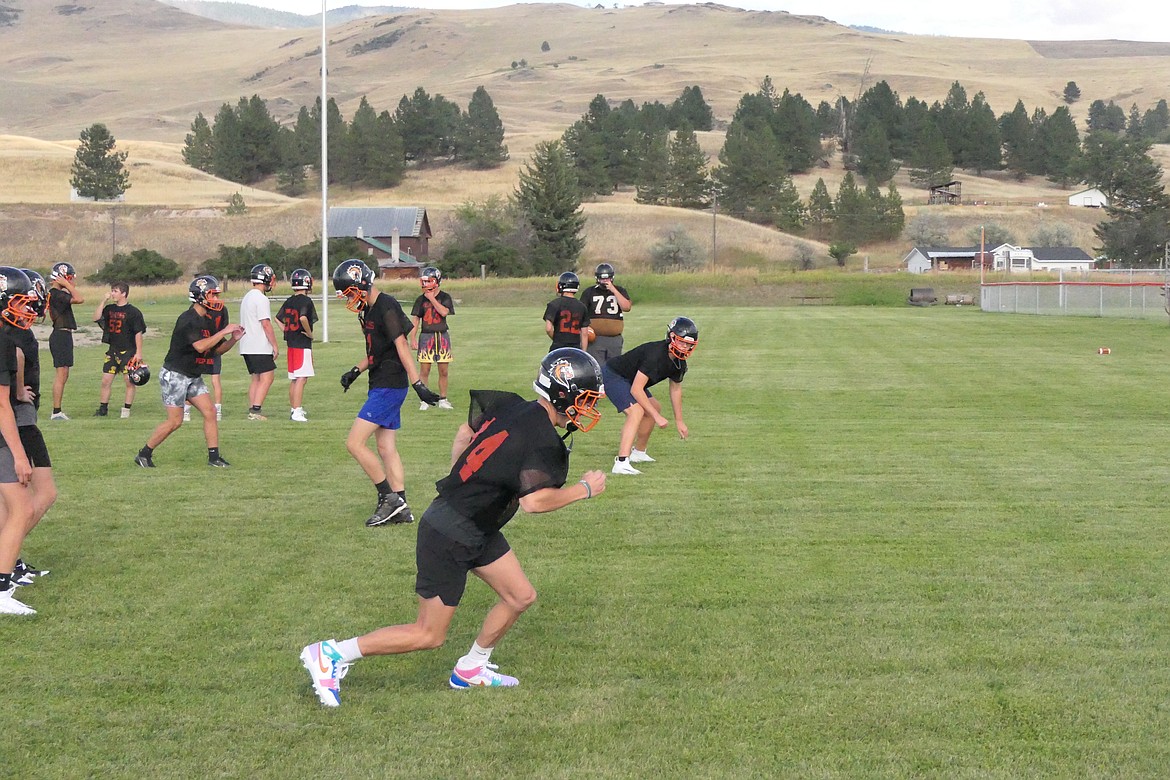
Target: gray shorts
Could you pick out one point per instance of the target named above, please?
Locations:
(606, 348)
(177, 388)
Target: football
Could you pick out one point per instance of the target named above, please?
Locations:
(590, 334)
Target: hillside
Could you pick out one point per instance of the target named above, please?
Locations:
(255, 16)
(145, 69)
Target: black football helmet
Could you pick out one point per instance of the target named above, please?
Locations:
(301, 280)
(682, 336)
(62, 271)
(263, 274)
(568, 282)
(570, 380)
(204, 290)
(430, 278)
(138, 373)
(41, 289)
(352, 280)
(17, 298)
(603, 271)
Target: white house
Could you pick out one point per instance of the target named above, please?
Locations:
(1022, 259)
(1093, 198)
(917, 262)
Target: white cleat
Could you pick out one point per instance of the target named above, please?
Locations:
(623, 467)
(640, 456)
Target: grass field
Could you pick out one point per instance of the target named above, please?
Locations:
(900, 543)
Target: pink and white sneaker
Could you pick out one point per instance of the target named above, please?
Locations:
(323, 663)
(484, 676)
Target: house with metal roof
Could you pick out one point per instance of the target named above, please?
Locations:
(1005, 257)
(396, 238)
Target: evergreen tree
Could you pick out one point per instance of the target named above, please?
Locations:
(751, 172)
(308, 135)
(98, 171)
(197, 146)
(654, 176)
(880, 105)
(689, 185)
(1137, 225)
(227, 154)
(1036, 160)
(1156, 122)
(548, 196)
(854, 212)
(1059, 147)
(1016, 130)
(482, 142)
(1072, 93)
(891, 217)
(951, 119)
(586, 148)
(259, 152)
(828, 119)
(872, 149)
(930, 165)
(336, 132)
(821, 212)
(690, 108)
(361, 137)
(1134, 127)
(386, 157)
(982, 142)
(916, 116)
(290, 175)
(794, 123)
(1105, 116)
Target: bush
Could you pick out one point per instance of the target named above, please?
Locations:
(1052, 235)
(235, 262)
(676, 252)
(236, 205)
(992, 234)
(142, 266)
(500, 260)
(928, 230)
(803, 257)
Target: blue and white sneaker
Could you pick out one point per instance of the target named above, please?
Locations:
(484, 676)
(323, 663)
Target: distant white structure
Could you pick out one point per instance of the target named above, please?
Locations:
(1092, 198)
(75, 198)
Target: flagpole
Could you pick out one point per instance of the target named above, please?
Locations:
(326, 284)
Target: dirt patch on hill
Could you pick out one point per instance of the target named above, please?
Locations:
(1092, 50)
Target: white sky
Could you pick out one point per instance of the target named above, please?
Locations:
(1134, 20)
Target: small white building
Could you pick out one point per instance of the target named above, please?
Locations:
(1022, 259)
(1092, 198)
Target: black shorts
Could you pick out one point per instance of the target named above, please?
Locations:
(116, 362)
(443, 563)
(61, 348)
(260, 364)
(34, 446)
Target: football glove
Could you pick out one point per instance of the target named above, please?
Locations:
(425, 394)
(349, 377)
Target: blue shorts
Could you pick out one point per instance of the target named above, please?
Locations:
(617, 390)
(383, 407)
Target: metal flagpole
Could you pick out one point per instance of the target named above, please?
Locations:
(326, 283)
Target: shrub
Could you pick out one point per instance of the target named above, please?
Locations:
(1052, 235)
(993, 235)
(500, 260)
(927, 230)
(142, 266)
(236, 205)
(676, 252)
(544, 46)
(803, 257)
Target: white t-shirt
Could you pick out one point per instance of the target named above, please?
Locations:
(253, 309)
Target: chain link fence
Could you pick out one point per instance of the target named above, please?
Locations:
(1130, 299)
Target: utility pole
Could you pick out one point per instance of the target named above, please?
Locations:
(714, 234)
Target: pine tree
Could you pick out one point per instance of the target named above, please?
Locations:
(548, 196)
(259, 150)
(854, 212)
(290, 175)
(982, 142)
(360, 139)
(1072, 93)
(197, 146)
(387, 160)
(931, 163)
(227, 155)
(872, 149)
(98, 171)
(750, 169)
(689, 184)
(585, 146)
(654, 176)
(821, 211)
(690, 108)
(481, 143)
(1059, 147)
(1016, 131)
(891, 217)
(1137, 228)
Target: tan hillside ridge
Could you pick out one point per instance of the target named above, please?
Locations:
(152, 67)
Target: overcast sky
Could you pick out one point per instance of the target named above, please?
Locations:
(1134, 20)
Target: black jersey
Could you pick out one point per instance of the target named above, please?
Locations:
(26, 342)
(430, 319)
(515, 451)
(61, 309)
(568, 316)
(120, 324)
(652, 359)
(189, 328)
(603, 304)
(289, 316)
(382, 323)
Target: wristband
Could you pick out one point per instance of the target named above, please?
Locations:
(588, 490)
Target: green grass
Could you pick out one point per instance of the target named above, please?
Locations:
(900, 543)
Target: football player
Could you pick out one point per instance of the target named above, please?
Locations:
(258, 345)
(297, 316)
(391, 371)
(193, 343)
(508, 455)
(431, 338)
(19, 462)
(628, 379)
(122, 327)
(62, 295)
(607, 304)
(565, 317)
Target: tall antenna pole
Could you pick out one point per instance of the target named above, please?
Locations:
(325, 282)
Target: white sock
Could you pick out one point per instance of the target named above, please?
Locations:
(218, 407)
(476, 656)
(349, 650)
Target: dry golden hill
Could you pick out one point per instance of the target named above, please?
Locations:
(145, 69)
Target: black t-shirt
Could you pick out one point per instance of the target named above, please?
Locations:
(568, 316)
(26, 342)
(189, 328)
(297, 306)
(427, 316)
(652, 359)
(602, 304)
(61, 309)
(382, 323)
(516, 451)
(120, 324)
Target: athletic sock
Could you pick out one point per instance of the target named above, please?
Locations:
(476, 656)
(255, 410)
(125, 406)
(623, 458)
(5, 582)
(383, 488)
(56, 410)
(212, 453)
(349, 650)
(401, 494)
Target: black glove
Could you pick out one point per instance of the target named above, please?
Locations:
(349, 377)
(425, 394)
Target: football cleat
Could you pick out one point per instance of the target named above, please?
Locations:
(422, 407)
(445, 404)
(218, 462)
(10, 606)
(125, 413)
(484, 676)
(59, 416)
(101, 412)
(391, 509)
(326, 669)
(256, 416)
(640, 456)
(623, 467)
(24, 574)
(298, 415)
(145, 461)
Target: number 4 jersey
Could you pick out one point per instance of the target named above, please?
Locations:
(516, 450)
